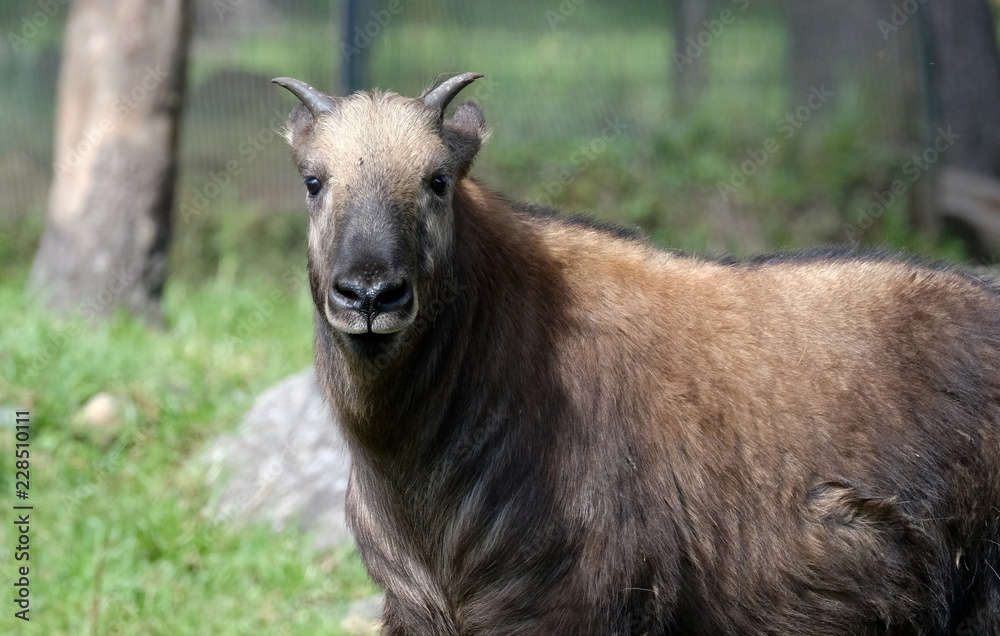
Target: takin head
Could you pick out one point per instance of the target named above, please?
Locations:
(380, 170)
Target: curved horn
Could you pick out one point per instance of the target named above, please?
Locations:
(313, 99)
(441, 95)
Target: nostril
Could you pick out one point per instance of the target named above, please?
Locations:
(393, 296)
(348, 294)
(374, 299)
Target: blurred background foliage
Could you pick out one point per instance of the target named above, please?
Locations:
(122, 545)
(552, 82)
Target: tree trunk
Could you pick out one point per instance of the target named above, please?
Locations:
(965, 76)
(357, 35)
(964, 80)
(828, 39)
(688, 56)
(120, 92)
(858, 46)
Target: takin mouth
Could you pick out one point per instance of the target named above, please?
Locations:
(369, 345)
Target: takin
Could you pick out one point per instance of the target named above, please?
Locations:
(559, 429)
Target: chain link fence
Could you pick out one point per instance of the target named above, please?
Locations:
(559, 75)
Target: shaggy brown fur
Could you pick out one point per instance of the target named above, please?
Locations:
(577, 433)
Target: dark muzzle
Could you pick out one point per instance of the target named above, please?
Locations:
(371, 298)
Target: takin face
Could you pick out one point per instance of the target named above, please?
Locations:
(380, 170)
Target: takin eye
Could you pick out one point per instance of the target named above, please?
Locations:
(439, 185)
(313, 185)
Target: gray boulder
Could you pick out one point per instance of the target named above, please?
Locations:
(286, 464)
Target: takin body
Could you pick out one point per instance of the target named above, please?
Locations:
(557, 428)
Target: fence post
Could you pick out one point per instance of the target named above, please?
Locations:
(355, 47)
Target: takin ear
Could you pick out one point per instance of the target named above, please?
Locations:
(299, 125)
(464, 133)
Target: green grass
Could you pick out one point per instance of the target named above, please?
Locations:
(118, 539)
